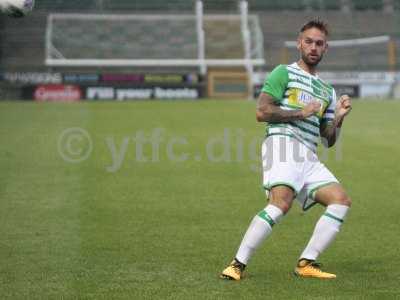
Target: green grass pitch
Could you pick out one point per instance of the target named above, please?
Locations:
(124, 221)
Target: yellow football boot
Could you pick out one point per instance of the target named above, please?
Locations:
(234, 271)
(311, 269)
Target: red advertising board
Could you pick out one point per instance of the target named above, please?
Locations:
(57, 93)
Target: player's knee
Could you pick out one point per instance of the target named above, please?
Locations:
(346, 201)
(343, 199)
(282, 204)
(282, 197)
(285, 207)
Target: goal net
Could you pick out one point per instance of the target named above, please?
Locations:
(194, 40)
(372, 53)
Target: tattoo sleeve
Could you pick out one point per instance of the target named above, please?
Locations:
(268, 111)
(330, 132)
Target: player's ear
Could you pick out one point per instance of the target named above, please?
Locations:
(298, 46)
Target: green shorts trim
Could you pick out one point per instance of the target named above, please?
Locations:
(289, 185)
(311, 195)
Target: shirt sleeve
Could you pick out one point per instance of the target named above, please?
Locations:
(276, 83)
(329, 113)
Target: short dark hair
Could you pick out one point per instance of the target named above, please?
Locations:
(316, 23)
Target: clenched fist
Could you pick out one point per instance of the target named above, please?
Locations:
(343, 106)
(311, 109)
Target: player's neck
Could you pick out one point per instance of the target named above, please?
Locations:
(308, 68)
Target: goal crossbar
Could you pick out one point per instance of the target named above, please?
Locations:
(350, 42)
(152, 62)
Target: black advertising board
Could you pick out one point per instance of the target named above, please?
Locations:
(134, 92)
(352, 90)
(107, 86)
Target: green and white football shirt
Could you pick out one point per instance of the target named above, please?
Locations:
(292, 88)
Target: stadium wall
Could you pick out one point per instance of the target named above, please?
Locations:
(22, 54)
(23, 40)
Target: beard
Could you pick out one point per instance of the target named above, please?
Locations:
(310, 62)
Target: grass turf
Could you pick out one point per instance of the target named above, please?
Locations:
(164, 229)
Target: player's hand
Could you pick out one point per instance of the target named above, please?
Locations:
(343, 106)
(311, 109)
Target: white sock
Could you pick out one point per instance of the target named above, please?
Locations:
(260, 227)
(325, 231)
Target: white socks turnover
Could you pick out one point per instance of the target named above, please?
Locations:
(325, 231)
(260, 228)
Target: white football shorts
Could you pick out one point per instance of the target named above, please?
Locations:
(286, 161)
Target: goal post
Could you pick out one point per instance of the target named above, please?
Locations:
(201, 36)
(244, 12)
